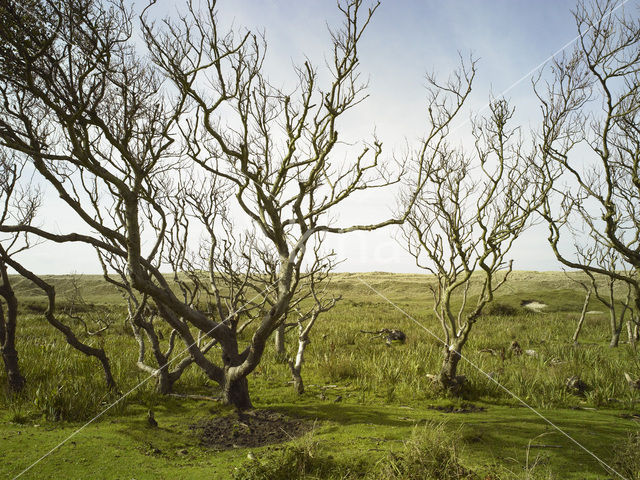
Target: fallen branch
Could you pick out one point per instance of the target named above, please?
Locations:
(196, 397)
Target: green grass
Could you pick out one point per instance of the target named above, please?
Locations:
(386, 393)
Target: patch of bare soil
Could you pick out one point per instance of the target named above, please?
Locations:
(249, 429)
(462, 408)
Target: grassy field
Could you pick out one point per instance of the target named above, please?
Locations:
(390, 413)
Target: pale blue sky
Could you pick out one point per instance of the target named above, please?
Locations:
(406, 39)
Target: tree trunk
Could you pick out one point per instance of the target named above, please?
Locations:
(164, 384)
(615, 338)
(235, 386)
(630, 333)
(296, 365)
(14, 378)
(298, 384)
(616, 327)
(449, 370)
(236, 393)
(583, 315)
(279, 343)
(8, 336)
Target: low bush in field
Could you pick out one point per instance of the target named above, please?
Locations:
(301, 459)
(431, 453)
(498, 309)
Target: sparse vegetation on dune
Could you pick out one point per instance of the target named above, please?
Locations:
(368, 432)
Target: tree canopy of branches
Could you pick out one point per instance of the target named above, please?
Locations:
(141, 147)
(470, 210)
(590, 133)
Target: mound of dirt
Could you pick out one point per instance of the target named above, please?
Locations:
(249, 429)
(462, 408)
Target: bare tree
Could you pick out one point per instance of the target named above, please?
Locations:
(470, 211)
(10, 171)
(590, 118)
(306, 321)
(143, 317)
(98, 126)
(274, 147)
(20, 206)
(607, 259)
(588, 288)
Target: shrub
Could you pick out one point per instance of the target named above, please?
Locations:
(429, 454)
(498, 309)
(299, 459)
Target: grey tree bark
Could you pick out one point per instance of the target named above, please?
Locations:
(8, 324)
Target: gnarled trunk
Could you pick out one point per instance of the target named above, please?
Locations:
(8, 334)
(448, 376)
(15, 379)
(615, 339)
(50, 316)
(449, 370)
(631, 333)
(236, 392)
(234, 383)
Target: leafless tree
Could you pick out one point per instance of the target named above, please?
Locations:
(101, 126)
(94, 322)
(316, 283)
(143, 317)
(608, 259)
(275, 148)
(588, 289)
(590, 118)
(20, 206)
(470, 211)
(10, 170)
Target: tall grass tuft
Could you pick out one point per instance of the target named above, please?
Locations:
(431, 454)
(627, 459)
